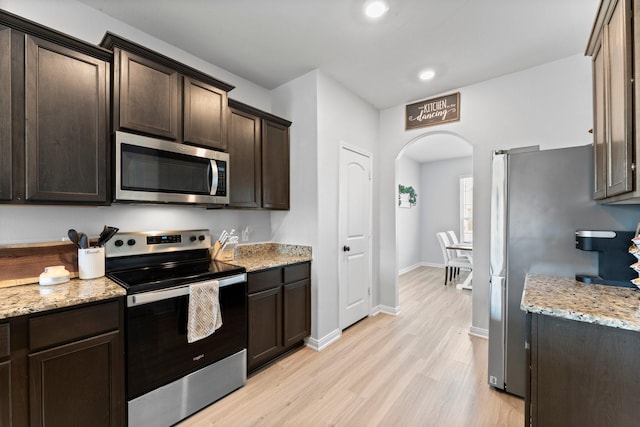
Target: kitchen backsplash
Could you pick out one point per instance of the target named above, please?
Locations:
(34, 224)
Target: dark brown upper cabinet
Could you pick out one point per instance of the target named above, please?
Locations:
(149, 95)
(5, 113)
(66, 138)
(259, 152)
(245, 156)
(205, 114)
(614, 42)
(54, 124)
(158, 96)
(275, 165)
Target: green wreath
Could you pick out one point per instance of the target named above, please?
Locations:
(413, 197)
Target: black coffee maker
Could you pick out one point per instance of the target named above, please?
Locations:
(614, 259)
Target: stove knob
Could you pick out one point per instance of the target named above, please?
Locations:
(192, 238)
(131, 242)
(201, 237)
(118, 243)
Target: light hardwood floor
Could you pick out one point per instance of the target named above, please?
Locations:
(420, 368)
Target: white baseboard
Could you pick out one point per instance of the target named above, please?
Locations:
(324, 342)
(479, 332)
(410, 268)
(394, 311)
(432, 264)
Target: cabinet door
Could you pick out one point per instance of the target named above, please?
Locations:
(66, 124)
(265, 326)
(77, 384)
(275, 165)
(245, 154)
(5, 394)
(599, 125)
(583, 374)
(619, 155)
(205, 115)
(149, 96)
(297, 311)
(5, 114)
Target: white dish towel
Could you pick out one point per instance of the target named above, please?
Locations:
(204, 310)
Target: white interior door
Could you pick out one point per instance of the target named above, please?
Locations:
(355, 236)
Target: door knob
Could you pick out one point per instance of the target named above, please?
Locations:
(346, 248)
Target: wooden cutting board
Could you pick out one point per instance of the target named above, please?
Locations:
(22, 263)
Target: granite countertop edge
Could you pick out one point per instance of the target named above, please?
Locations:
(566, 298)
(263, 256)
(23, 300)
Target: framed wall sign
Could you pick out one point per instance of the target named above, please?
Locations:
(433, 111)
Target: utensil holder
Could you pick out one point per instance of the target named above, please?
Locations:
(223, 253)
(91, 263)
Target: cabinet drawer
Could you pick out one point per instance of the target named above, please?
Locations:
(4, 340)
(297, 272)
(70, 325)
(264, 280)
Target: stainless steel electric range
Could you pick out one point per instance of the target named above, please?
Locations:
(168, 378)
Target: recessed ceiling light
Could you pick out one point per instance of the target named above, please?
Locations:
(427, 75)
(375, 9)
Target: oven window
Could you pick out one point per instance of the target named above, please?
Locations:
(148, 169)
(157, 348)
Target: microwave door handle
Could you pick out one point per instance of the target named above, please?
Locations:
(213, 177)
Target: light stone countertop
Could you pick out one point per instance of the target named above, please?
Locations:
(262, 256)
(567, 298)
(28, 299)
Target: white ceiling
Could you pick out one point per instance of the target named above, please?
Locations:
(270, 42)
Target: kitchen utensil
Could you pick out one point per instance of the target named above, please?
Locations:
(83, 240)
(223, 237)
(73, 236)
(107, 233)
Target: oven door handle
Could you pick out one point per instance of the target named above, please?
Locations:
(153, 296)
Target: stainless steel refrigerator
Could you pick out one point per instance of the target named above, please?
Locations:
(538, 200)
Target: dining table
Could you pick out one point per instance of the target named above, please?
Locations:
(468, 249)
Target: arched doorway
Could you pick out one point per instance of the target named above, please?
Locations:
(433, 164)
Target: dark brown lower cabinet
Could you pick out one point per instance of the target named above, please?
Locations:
(279, 312)
(265, 326)
(582, 374)
(66, 368)
(5, 394)
(71, 385)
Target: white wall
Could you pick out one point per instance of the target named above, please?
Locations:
(21, 224)
(325, 115)
(549, 105)
(85, 23)
(440, 185)
(409, 223)
(28, 224)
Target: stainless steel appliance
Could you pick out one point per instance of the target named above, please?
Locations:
(538, 201)
(168, 378)
(159, 171)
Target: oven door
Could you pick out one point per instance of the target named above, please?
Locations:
(156, 334)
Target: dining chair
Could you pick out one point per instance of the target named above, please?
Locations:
(450, 262)
(453, 239)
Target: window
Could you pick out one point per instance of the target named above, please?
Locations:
(466, 209)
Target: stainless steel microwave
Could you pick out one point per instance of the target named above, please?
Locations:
(158, 171)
